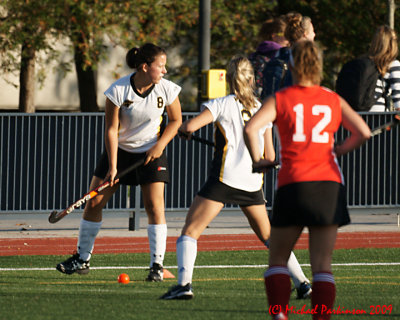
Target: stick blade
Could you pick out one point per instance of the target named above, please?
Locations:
(56, 216)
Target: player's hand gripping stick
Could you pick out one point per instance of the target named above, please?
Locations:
(195, 138)
(57, 216)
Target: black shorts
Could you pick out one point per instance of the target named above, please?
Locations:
(154, 171)
(313, 203)
(215, 190)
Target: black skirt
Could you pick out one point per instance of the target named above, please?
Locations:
(154, 171)
(215, 190)
(313, 203)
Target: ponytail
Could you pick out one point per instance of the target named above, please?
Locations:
(240, 76)
(147, 53)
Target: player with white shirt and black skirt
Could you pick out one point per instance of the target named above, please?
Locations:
(135, 105)
(231, 179)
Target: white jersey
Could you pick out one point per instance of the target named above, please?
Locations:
(140, 116)
(232, 163)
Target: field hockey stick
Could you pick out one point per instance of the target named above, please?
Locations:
(272, 165)
(376, 131)
(57, 216)
(197, 138)
(386, 126)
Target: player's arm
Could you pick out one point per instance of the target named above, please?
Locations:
(359, 130)
(111, 138)
(269, 150)
(174, 121)
(263, 116)
(189, 126)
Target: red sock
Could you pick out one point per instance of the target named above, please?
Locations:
(278, 288)
(323, 295)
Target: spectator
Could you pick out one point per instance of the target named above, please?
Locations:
(383, 51)
(272, 38)
(276, 74)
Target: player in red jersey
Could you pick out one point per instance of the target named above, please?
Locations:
(310, 183)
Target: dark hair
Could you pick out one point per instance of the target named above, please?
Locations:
(272, 26)
(145, 54)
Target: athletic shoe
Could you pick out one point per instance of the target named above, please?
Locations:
(179, 292)
(156, 273)
(304, 291)
(74, 264)
(280, 316)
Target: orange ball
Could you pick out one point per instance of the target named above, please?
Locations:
(123, 278)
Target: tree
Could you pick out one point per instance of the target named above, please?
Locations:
(25, 27)
(169, 24)
(26, 79)
(81, 26)
(172, 24)
(127, 23)
(343, 27)
(86, 23)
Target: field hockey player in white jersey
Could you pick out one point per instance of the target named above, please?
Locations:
(231, 179)
(135, 105)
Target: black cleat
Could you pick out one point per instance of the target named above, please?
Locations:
(156, 273)
(179, 292)
(74, 264)
(304, 291)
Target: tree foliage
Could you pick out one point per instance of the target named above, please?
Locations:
(234, 27)
(24, 30)
(343, 27)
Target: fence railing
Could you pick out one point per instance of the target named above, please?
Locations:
(47, 161)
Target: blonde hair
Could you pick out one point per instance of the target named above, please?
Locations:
(384, 48)
(307, 62)
(240, 77)
(297, 26)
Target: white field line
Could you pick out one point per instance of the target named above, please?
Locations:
(209, 267)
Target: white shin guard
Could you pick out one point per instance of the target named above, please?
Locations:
(296, 273)
(88, 231)
(186, 252)
(157, 234)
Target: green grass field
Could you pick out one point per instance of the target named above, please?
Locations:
(30, 287)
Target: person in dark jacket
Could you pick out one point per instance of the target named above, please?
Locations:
(272, 37)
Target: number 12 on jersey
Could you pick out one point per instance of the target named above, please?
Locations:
(317, 133)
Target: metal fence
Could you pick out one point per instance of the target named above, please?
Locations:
(47, 161)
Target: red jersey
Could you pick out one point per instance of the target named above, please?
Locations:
(307, 118)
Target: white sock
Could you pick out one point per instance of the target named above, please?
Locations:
(88, 231)
(295, 271)
(157, 234)
(186, 251)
